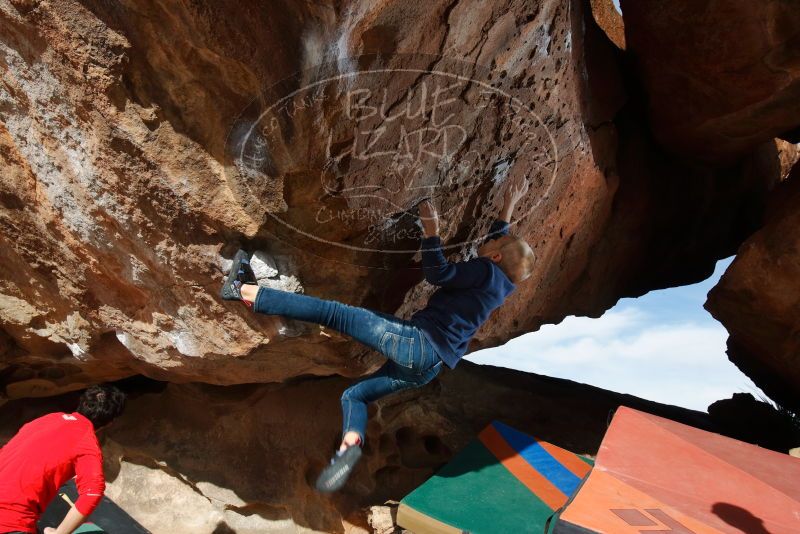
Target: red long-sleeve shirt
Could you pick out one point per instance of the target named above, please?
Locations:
(43, 455)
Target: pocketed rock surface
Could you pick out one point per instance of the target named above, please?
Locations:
(143, 142)
(141, 146)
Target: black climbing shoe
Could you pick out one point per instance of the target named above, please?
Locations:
(241, 273)
(335, 475)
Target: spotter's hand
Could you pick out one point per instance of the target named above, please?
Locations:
(429, 219)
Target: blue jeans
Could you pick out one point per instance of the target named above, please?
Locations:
(412, 361)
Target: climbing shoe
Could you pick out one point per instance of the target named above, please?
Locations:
(241, 273)
(335, 475)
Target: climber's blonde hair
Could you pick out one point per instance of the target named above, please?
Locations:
(516, 259)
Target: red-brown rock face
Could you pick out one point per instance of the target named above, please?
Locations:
(721, 77)
(610, 20)
(143, 142)
(758, 299)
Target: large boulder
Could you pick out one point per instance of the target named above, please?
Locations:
(720, 77)
(143, 142)
(757, 299)
(745, 418)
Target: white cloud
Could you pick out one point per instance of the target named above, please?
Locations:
(607, 327)
(630, 351)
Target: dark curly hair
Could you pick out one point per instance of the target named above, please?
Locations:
(101, 404)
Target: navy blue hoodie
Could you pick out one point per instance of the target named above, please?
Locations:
(468, 293)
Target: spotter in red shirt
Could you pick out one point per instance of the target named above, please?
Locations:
(43, 455)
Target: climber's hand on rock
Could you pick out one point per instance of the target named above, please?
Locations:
(513, 193)
(429, 219)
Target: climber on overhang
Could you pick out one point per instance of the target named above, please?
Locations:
(50, 450)
(439, 333)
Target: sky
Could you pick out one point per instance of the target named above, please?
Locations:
(662, 346)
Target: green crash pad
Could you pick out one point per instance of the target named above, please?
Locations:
(504, 481)
(87, 528)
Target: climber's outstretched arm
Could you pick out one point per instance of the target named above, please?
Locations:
(437, 270)
(513, 193)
